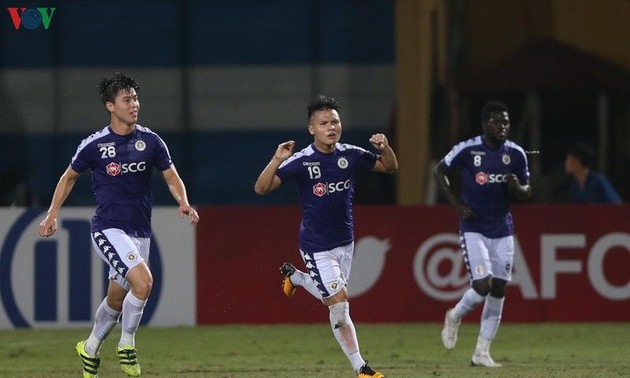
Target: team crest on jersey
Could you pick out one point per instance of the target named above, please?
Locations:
(319, 189)
(131, 256)
(140, 145)
(506, 159)
(342, 163)
(113, 169)
(334, 285)
(481, 178)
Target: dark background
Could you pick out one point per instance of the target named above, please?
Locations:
(512, 51)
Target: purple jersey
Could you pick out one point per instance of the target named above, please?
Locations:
(326, 184)
(484, 187)
(121, 177)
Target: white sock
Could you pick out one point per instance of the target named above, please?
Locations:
(104, 320)
(344, 332)
(302, 279)
(131, 314)
(483, 346)
(491, 317)
(469, 301)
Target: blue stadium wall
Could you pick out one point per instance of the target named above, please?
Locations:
(223, 82)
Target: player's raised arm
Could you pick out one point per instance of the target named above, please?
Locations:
(48, 226)
(267, 180)
(387, 162)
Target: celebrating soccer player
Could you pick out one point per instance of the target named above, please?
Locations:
(324, 174)
(121, 157)
(492, 170)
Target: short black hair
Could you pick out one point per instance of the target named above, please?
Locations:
(322, 102)
(110, 86)
(583, 152)
(490, 107)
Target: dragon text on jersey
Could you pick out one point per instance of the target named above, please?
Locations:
(321, 189)
(115, 169)
(483, 178)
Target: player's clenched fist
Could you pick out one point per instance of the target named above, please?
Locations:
(48, 226)
(285, 150)
(379, 141)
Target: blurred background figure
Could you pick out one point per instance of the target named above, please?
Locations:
(587, 186)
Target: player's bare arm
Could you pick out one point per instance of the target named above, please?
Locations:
(267, 180)
(440, 176)
(48, 226)
(522, 192)
(178, 191)
(387, 162)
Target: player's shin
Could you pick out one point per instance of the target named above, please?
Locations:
(491, 317)
(467, 303)
(104, 321)
(345, 333)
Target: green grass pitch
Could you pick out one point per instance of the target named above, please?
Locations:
(398, 350)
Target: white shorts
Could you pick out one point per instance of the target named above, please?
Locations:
(329, 270)
(121, 252)
(484, 256)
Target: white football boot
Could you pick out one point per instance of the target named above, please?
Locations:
(449, 332)
(483, 359)
(481, 356)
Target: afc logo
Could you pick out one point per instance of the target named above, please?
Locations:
(115, 169)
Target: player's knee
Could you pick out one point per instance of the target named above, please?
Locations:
(340, 296)
(145, 288)
(498, 288)
(482, 286)
(115, 303)
(142, 289)
(141, 281)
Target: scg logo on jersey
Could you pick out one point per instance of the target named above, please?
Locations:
(321, 189)
(114, 169)
(483, 178)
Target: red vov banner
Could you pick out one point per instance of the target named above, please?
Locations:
(572, 263)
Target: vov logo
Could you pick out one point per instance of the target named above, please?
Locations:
(59, 280)
(31, 18)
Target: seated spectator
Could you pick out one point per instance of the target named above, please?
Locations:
(586, 185)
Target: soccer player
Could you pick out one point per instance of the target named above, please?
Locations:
(587, 186)
(492, 170)
(324, 173)
(121, 157)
